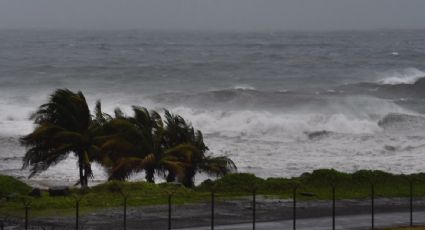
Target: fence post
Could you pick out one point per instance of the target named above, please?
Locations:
(77, 213)
(26, 217)
(27, 205)
(212, 209)
(125, 213)
(125, 197)
(254, 194)
(170, 193)
(294, 208)
(411, 202)
(3, 218)
(169, 210)
(333, 207)
(77, 210)
(373, 204)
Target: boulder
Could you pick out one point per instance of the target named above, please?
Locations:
(12, 196)
(35, 192)
(59, 191)
(308, 194)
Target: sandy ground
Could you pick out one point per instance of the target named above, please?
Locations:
(231, 213)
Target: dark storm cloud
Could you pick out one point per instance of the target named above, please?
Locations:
(213, 14)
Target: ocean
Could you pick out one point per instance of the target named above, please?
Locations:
(279, 104)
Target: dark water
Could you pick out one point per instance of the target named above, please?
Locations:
(279, 104)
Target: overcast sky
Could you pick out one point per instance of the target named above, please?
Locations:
(213, 14)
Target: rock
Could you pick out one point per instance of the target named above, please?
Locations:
(36, 192)
(12, 196)
(317, 134)
(390, 148)
(59, 191)
(309, 194)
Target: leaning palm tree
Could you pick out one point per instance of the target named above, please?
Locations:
(64, 125)
(152, 129)
(143, 143)
(137, 146)
(195, 161)
(183, 141)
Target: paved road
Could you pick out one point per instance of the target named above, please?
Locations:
(342, 222)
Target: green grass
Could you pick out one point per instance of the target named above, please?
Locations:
(348, 186)
(10, 185)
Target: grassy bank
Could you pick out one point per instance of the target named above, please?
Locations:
(316, 185)
(10, 185)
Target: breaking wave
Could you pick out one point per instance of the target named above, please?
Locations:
(407, 76)
(243, 87)
(409, 83)
(267, 126)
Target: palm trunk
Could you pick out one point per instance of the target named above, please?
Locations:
(171, 177)
(150, 175)
(83, 173)
(80, 166)
(85, 184)
(188, 178)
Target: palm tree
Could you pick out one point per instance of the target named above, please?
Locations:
(123, 145)
(64, 125)
(138, 146)
(174, 150)
(195, 161)
(182, 140)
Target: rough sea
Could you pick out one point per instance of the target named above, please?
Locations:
(278, 104)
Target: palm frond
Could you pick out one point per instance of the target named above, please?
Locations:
(127, 166)
(100, 117)
(119, 113)
(218, 166)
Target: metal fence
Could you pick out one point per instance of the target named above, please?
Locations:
(25, 222)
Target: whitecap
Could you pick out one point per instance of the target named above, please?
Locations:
(243, 87)
(406, 76)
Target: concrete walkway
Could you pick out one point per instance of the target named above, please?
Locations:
(342, 222)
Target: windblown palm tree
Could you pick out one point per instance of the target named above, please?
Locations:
(64, 125)
(182, 140)
(174, 150)
(138, 146)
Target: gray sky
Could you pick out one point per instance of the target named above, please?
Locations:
(213, 14)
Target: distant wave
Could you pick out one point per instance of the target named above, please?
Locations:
(407, 76)
(413, 90)
(239, 97)
(411, 84)
(243, 87)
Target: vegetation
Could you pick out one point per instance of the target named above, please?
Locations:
(123, 145)
(319, 184)
(173, 149)
(10, 185)
(232, 186)
(63, 125)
